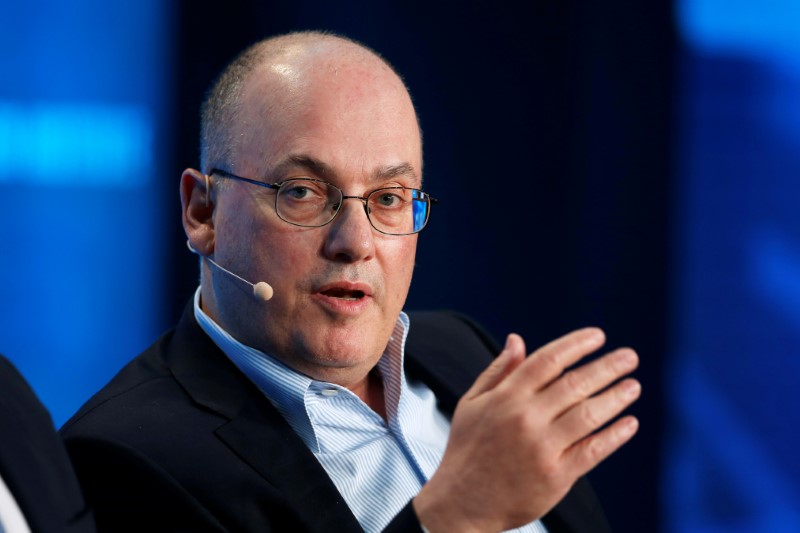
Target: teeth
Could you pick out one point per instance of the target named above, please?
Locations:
(345, 295)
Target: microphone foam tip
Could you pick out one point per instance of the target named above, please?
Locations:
(263, 290)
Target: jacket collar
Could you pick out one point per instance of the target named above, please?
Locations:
(255, 431)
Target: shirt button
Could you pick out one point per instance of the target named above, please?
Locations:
(329, 392)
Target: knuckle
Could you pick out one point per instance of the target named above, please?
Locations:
(522, 422)
(595, 450)
(589, 416)
(550, 358)
(576, 383)
(527, 429)
(550, 472)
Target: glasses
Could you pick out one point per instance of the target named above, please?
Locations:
(312, 203)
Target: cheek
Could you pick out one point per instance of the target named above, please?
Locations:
(284, 257)
(287, 273)
(399, 264)
(261, 249)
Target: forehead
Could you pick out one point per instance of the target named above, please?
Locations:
(349, 112)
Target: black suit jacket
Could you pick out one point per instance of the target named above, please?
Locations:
(34, 463)
(181, 440)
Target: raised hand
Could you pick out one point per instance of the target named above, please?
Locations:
(527, 430)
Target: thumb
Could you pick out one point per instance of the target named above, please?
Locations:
(510, 358)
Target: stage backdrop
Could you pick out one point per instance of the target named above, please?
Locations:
(732, 463)
(82, 140)
(625, 164)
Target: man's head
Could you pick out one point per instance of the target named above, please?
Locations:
(317, 106)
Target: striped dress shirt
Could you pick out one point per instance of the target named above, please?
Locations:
(377, 465)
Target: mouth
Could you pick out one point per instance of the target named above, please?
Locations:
(345, 297)
(344, 294)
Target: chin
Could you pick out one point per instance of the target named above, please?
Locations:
(343, 348)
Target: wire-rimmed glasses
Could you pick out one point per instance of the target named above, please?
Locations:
(312, 203)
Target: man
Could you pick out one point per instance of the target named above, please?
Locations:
(38, 488)
(309, 410)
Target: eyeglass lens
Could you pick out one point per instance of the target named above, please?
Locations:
(393, 210)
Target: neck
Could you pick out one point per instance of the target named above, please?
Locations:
(370, 390)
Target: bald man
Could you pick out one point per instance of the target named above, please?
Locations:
(295, 394)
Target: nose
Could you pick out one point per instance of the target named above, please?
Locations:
(350, 237)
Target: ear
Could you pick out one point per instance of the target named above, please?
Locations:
(198, 210)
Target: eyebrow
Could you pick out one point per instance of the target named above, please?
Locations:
(301, 161)
(320, 168)
(395, 171)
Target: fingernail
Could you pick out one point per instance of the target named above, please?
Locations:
(630, 427)
(513, 342)
(508, 342)
(596, 335)
(632, 389)
(629, 358)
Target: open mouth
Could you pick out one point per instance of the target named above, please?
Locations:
(344, 294)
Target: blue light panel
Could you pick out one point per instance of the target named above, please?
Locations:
(732, 462)
(98, 145)
(80, 86)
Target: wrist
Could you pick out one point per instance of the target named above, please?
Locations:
(438, 514)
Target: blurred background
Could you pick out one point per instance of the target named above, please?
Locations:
(631, 165)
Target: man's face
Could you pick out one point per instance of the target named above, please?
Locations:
(338, 288)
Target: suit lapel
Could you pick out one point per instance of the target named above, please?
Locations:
(272, 448)
(255, 431)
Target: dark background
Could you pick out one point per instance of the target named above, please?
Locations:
(547, 135)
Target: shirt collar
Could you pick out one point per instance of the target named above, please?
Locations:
(286, 388)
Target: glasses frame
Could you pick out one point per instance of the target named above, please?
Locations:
(423, 196)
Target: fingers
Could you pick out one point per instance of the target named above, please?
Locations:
(585, 381)
(548, 362)
(510, 358)
(587, 416)
(525, 432)
(591, 451)
(583, 399)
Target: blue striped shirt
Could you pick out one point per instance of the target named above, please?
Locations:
(377, 465)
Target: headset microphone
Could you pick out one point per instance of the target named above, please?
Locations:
(261, 290)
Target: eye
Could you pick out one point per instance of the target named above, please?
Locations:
(301, 189)
(298, 192)
(388, 198)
